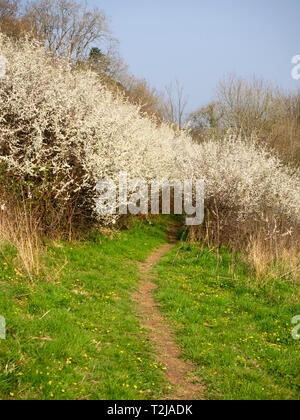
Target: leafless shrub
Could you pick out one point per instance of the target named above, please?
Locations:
(68, 27)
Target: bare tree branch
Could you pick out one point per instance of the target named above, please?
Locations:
(175, 103)
(68, 27)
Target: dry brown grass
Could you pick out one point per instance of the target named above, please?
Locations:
(19, 228)
(274, 259)
(272, 250)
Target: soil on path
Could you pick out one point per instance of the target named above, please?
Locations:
(179, 372)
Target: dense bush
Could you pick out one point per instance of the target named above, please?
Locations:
(244, 176)
(61, 131)
(250, 193)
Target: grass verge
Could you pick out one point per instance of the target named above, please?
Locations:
(235, 328)
(74, 334)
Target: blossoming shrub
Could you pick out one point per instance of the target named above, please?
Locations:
(61, 131)
(252, 203)
(247, 188)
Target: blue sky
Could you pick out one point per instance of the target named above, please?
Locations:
(200, 41)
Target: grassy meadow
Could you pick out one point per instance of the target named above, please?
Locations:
(235, 328)
(75, 333)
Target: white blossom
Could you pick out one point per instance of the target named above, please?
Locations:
(57, 120)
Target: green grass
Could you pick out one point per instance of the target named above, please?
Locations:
(236, 330)
(74, 334)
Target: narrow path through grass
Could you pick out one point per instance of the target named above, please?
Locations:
(179, 373)
(75, 333)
